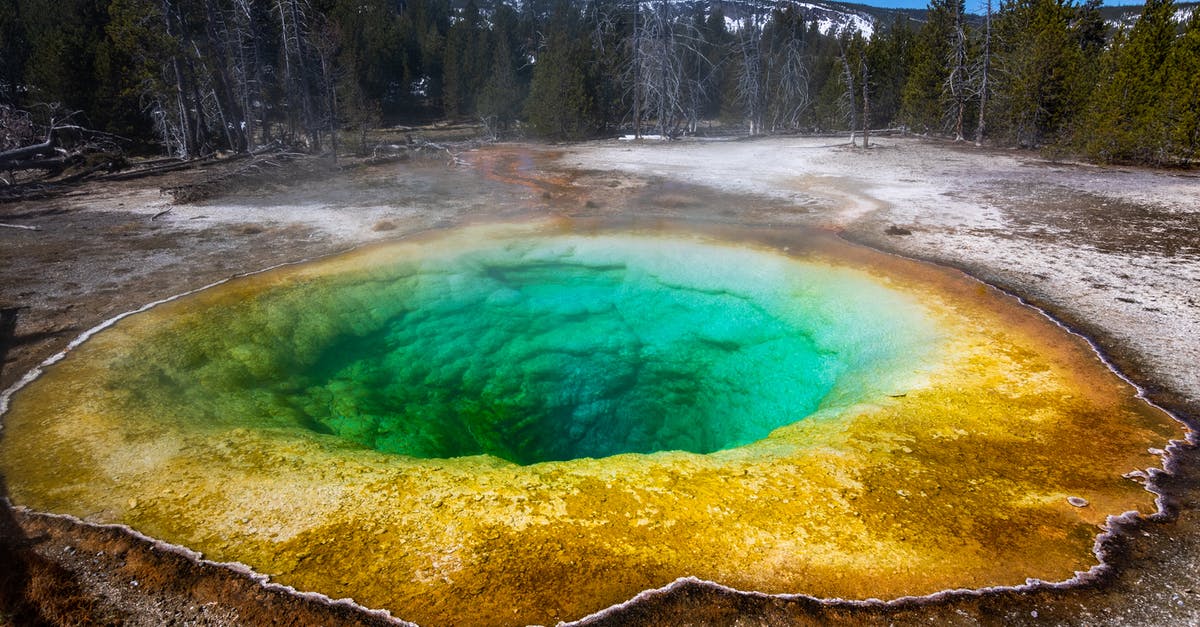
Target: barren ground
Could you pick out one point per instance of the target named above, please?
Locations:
(1113, 253)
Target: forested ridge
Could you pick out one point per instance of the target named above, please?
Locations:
(199, 76)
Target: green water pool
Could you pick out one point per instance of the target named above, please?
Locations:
(539, 349)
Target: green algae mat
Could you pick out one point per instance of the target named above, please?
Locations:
(509, 424)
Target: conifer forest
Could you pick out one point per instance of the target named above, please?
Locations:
(193, 77)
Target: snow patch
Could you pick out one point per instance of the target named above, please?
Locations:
(829, 20)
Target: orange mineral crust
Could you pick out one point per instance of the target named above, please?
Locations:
(949, 427)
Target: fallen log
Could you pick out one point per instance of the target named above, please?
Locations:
(175, 164)
(43, 156)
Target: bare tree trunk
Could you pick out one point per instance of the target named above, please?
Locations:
(201, 124)
(187, 133)
(983, 82)
(295, 71)
(233, 119)
(750, 86)
(254, 79)
(664, 46)
(325, 40)
(791, 95)
(637, 71)
(848, 76)
(956, 82)
(866, 96)
(16, 158)
(64, 143)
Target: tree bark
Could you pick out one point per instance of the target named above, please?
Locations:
(637, 72)
(866, 96)
(848, 76)
(983, 82)
(18, 158)
(957, 79)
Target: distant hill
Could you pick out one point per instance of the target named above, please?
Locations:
(1127, 15)
(839, 16)
(830, 16)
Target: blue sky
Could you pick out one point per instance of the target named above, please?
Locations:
(920, 4)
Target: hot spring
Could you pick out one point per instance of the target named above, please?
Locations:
(541, 349)
(508, 424)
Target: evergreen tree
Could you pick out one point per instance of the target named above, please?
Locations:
(831, 112)
(1127, 119)
(889, 55)
(63, 40)
(1090, 29)
(1039, 78)
(935, 56)
(1183, 93)
(14, 52)
(609, 26)
(422, 26)
(500, 100)
(465, 62)
(370, 51)
(155, 72)
(560, 104)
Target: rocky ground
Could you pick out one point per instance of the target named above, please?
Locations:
(1111, 252)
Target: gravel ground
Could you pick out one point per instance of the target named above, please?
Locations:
(1114, 253)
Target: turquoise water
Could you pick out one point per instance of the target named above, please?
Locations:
(542, 349)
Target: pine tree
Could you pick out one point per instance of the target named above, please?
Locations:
(370, 48)
(1038, 78)
(500, 100)
(830, 111)
(464, 69)
(1127, 117)
(1183, 93)
(14, 52)
(888, 59)
(932, 83)
(560, 104)
(422, 26)
(63, 38)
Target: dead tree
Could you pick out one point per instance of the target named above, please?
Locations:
(657, 72)
(41, 156)
(666, 50)
(637, 76)
(221, 43)
(187, 133)
(848, 95)
(750, 91)
(244, 35)
(865, 78)
(65, 144)
(957, 81)
(982, 73)
(790, 96)
(326, 42)
(297, 76)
